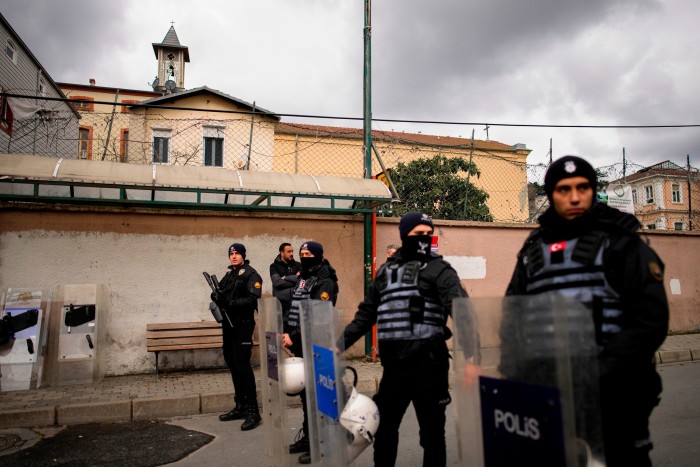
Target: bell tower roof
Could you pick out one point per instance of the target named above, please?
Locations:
(172, 42)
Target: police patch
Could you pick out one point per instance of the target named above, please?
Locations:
(241, 271)
(256, 285)
(655, 271)
(324, 296)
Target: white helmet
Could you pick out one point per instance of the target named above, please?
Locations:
(361, 418)
(293, 375)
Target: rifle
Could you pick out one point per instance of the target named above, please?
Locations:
(213, 307)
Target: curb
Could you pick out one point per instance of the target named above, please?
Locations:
(677, 356)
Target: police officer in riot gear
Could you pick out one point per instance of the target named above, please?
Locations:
(238, 295)
(410, 301)
(317, 281)
(591, 252)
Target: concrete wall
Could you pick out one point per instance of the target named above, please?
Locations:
(152, 263)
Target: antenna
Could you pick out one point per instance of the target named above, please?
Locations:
(155, 83)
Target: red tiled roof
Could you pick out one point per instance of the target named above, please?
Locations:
(389, 136)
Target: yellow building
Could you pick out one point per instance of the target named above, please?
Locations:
(325, 150)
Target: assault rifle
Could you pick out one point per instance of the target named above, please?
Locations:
(213, 307)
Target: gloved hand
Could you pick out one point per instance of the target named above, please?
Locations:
(217, 298)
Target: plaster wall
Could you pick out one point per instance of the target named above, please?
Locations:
(152, 264)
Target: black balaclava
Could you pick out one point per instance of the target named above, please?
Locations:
(309, 264)
(416, 246)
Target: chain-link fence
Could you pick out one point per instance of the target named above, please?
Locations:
(448, 177)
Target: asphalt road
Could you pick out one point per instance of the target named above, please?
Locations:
(675, 427)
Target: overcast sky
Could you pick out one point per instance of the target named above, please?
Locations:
(560, 62)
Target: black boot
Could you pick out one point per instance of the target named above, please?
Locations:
(300, 444)
(237, 413)
(305, 458)
(253, 418)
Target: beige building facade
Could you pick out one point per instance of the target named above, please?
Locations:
(339, 151)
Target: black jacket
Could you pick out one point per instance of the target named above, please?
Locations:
(284, 278)
(632, 269)
(437, 280)
(325, 288)
(240, 290)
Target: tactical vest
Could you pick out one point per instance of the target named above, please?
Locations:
(301, 292)
(574, 268)
(403, 313)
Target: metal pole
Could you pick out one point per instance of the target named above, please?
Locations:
(367, 130)
(690, 198)
(469, 172)
(250, 140)
(109, 127)
(624, 167)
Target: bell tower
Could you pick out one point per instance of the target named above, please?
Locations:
(171, 63)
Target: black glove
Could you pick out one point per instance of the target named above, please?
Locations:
(216, 298)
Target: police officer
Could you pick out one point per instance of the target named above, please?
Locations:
(284, 274)
(410, 300)
(240, 290)
(317, 281)
(591, 252)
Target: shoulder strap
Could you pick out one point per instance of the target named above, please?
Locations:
(587, 247)
(532, 251)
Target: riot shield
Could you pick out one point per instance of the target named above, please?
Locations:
(23, 337)
(326, 395)
(274, 413)
(536, 402)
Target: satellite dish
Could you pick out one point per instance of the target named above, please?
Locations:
(155, 83)
(170, 85)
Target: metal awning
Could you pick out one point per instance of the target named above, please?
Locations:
(50, 180)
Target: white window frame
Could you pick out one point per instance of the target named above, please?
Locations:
(677, 199)
(11, 51)
(649, 194)
(161, 134)
(634, 196)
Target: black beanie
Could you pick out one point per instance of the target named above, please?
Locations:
(315, 248)
(412, 219)
(239, 247)
(567, 167)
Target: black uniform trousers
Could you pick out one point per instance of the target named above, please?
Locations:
(297, 349)
(424, 383)
(237, 348)
(627, 400)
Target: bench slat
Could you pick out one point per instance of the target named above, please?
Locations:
(184, 340)
(184, 347)
(183, 333)
(188, 325)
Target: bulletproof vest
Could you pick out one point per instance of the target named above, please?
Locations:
(574, 268)
(403, 313)
(301, 292)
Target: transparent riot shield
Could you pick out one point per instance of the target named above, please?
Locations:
(536, 402)
(274, 413)
(23, 338)
(322, 325)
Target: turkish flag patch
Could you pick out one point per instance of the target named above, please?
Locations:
(556, 252)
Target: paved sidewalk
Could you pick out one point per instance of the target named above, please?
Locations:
(142, 397)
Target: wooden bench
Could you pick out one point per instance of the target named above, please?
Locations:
(182, 336)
